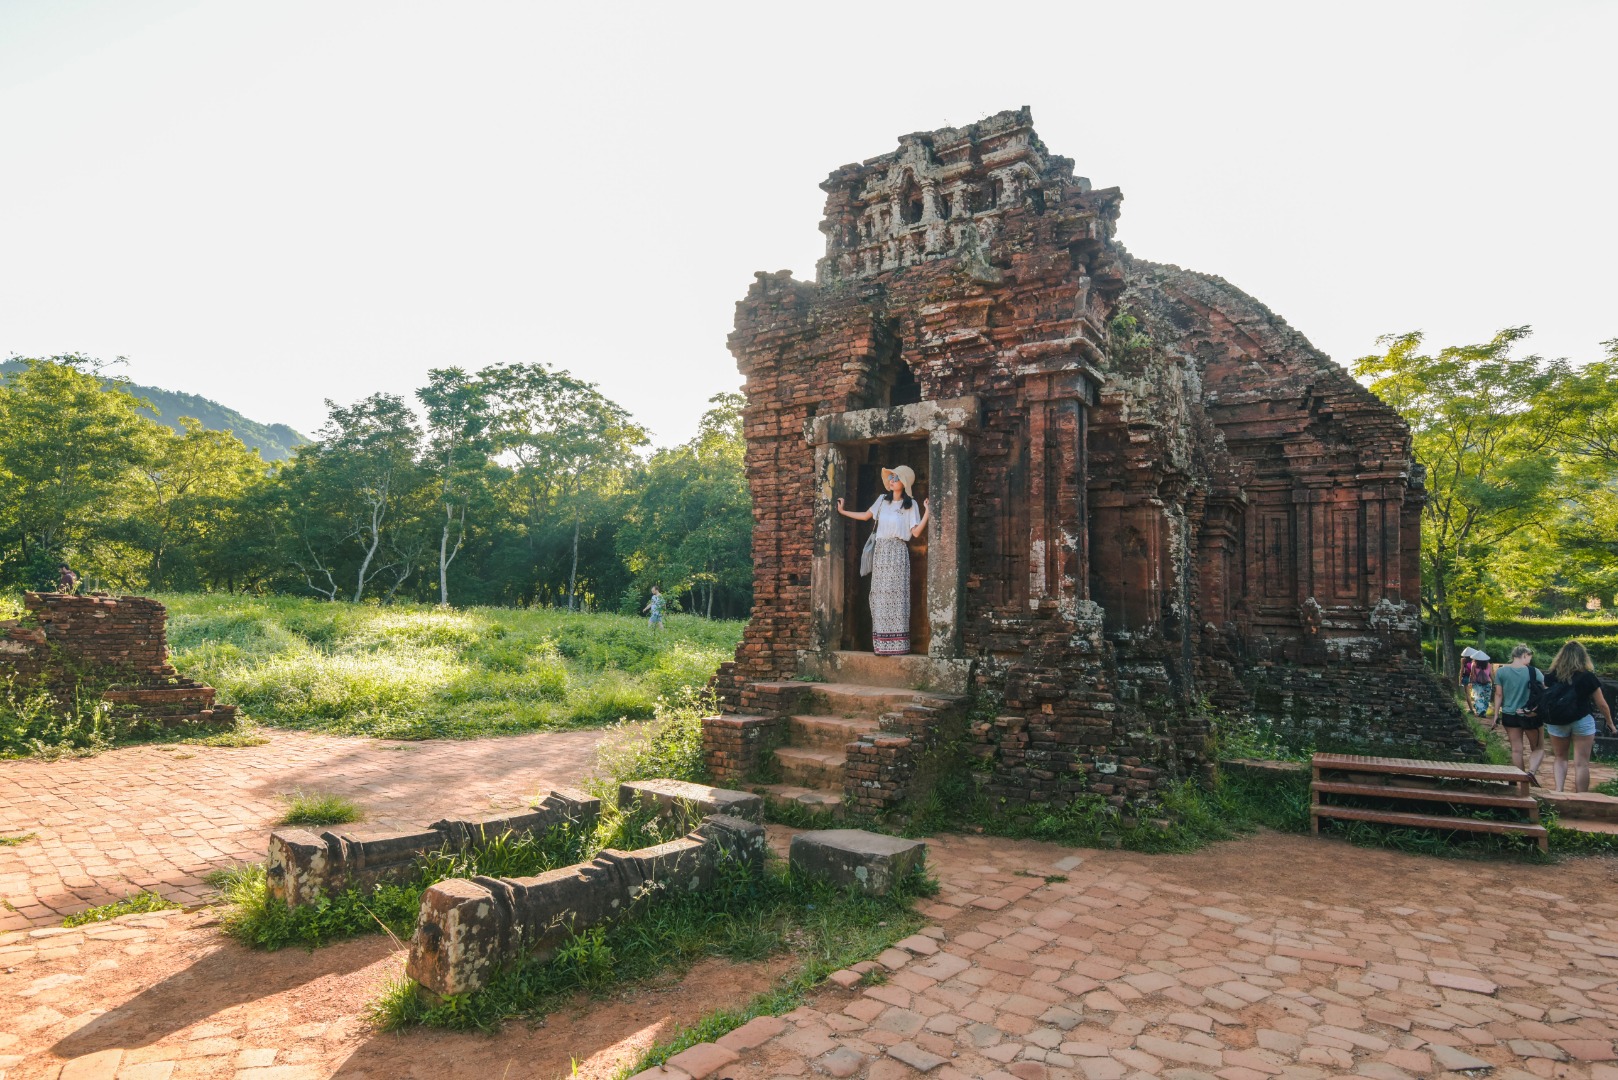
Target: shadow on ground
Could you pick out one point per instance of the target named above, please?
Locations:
(223, 977)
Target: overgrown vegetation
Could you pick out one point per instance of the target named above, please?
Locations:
(17, 841)
(742, 918)
(518, 484)
(413, 671)
(254, 918)
(319, 809)
(129, 905)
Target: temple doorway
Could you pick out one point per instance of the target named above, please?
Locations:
(865, 464)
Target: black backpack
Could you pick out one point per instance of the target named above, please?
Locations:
(1561, 704)
(1536, 693)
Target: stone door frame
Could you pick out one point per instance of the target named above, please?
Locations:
(946, 426)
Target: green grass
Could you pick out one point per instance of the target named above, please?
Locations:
(15, 841)
(1609, 787)
(1597, 632)
(743, 918)
(317, 809)
(413, 671)
(129, 905)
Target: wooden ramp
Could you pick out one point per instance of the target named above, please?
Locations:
(1415, 781)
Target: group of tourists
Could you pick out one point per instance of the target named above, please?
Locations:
(1560, 704)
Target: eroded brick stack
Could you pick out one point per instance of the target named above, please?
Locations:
(1194, 507)
(115, 646)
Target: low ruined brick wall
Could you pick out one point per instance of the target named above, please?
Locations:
(1402, 709)
(116, 645)
(304, 866)
(470, 928)
(735, 747)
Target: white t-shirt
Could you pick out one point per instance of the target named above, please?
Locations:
(893, 521)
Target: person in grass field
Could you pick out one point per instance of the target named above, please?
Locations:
(1514, 686)
(654, 609)
(897, 523)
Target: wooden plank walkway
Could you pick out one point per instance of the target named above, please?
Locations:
(1502, 786)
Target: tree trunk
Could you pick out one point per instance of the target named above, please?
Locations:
(573, 574)
(443, 559)
(1445, 623)
(709, 614)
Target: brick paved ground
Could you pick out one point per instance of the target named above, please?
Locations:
(1273, 956)
(1400, 967)
(162, 817)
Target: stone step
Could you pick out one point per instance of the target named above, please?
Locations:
(903, 672)
(812, 799)
(822, 769)
(1589, 825)
(1571, 806)
(826, 732)
(870, 702)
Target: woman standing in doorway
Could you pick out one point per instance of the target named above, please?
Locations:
(897, 523)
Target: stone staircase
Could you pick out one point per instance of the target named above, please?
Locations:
(826, 719)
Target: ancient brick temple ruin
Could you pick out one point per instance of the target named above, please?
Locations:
(114, 647)
(1152, 499)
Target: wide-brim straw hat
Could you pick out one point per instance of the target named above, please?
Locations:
(906, 475)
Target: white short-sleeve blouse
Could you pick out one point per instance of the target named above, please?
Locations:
(893, 521)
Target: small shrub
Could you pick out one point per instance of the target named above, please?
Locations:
(129, 905)
(669, 746)
(316, 809)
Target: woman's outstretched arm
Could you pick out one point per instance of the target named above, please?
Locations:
(857, 515)
(926, 515)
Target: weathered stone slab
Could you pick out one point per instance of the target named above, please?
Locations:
(690, 802)
(304, 866)
(469, 928)
(853, 858)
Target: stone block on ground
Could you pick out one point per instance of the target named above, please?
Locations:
(868, 862)
(689, 802)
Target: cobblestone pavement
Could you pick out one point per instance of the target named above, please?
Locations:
(162, 817)
(1102, 967)
(1272, 956)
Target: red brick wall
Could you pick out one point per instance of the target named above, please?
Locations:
(1233, 504)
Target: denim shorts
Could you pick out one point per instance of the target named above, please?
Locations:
(1587, 726)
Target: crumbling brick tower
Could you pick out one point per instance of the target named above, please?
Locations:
(1129, 522)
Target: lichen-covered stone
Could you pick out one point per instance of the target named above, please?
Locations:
(867, 862)
(303, 866)
(469, 928)
(687, 802)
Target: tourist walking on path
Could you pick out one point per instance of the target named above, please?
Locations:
(888, 552)
(655, 606)
(1477, 679)
(1572, 699)
(1513, 684)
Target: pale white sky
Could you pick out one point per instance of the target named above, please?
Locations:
(274, 203)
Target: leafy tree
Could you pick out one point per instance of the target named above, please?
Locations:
(458, 448)
(1489, 460)
(349, 494)
(193, 487)
(688, 521)
(570, 444)
(71, 446)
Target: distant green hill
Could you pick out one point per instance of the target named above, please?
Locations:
(274, 442)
